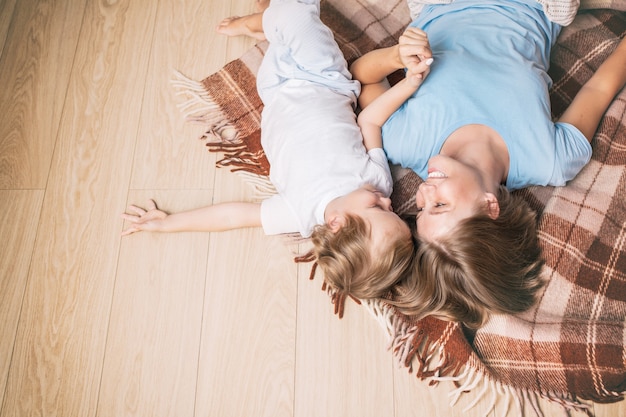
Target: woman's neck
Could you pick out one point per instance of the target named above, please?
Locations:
(483, 148)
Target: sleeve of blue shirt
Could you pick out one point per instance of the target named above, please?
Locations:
(573, 152)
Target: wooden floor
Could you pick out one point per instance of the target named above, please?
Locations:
(194, 324)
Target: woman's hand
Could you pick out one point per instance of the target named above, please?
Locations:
(149, 219)
(414, 53)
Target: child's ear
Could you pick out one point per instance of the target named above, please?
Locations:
(493, 206)
(336, 222)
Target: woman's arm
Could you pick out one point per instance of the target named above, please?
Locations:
(593, 99)
(215, 218)
(372, 70)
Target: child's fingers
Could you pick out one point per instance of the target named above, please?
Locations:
(130, 217)
(138, 217)
(140, 211)
(137, 210)
(129, 231)
(133, 227)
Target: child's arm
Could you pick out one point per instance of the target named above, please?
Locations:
(414, 53)
(372, 70)
(215, 218)
(372, 118)
(593, 99)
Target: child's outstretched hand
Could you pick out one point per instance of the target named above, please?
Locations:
(149, 219)
(415, 53)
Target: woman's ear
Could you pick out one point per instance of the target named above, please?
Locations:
(493, 206)
(336, 222)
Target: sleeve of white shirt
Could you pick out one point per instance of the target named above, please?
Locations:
(378, 156)
(277, 217)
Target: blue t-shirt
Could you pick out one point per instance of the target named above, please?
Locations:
(490, 68)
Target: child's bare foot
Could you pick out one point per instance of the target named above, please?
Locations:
(250, 25)
(262, 5)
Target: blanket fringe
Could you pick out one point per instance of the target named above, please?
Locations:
(198, 107)
(223, 137)
(428, 359)
(260, 184)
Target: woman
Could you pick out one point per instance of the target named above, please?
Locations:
(479, 127)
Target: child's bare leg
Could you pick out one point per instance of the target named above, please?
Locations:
(250, 25)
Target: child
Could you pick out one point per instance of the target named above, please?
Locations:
(479, 127)
(332, 183)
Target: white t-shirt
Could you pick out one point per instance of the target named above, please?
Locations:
(308, 126)
(316, 154)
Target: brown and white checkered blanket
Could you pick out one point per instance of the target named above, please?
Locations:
(571, 346)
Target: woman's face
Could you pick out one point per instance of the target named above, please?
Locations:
(452, 192)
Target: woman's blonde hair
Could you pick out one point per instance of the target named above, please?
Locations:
(482, 266)
(349, 267)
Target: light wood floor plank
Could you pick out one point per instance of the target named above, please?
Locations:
(185, 41)
(6, 14)
(413, 394)
(60, 342)
(17, 208)
(35, 69)
(204, 324)
(248, 334)
(154, 331)
(343, 367)
(610, 410)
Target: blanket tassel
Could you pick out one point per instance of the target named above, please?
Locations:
(409, 345)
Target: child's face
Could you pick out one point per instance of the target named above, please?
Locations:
(452, 192)
(375, 209)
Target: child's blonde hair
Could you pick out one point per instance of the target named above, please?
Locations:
(483, 266)
(353, 268)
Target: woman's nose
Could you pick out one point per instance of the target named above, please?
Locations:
(426, 189)
(424, 193)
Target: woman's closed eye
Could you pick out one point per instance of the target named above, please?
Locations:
(436, 205)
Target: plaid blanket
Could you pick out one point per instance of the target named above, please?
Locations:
(570, 347)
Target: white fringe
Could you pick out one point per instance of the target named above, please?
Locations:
(261, 185)
(471, 378)
(198, 107)
(198, 101)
